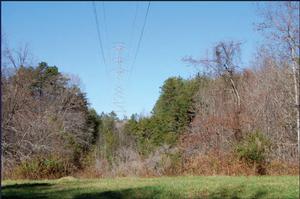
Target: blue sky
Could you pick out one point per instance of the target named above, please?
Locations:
(64, 34)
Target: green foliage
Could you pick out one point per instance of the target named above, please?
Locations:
(172, 113)
(108, 135)
(175, 103)
(93, 123)
(45, 76)
(149, 133)
(253, 149)
(43, 167)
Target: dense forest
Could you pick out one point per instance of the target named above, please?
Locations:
(228, 119)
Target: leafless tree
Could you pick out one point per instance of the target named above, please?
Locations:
(224, 63)
(262, 101)
(48, 119)
(281, 27)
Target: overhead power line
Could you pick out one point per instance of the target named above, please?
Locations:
(140, 39)
(133, 28)
(105, 31)
(99, 33)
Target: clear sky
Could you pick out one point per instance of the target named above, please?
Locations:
(64, 34)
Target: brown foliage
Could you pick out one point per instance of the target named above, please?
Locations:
(219, 163)
(266, 94)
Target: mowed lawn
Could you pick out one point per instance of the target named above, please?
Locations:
(164, 187)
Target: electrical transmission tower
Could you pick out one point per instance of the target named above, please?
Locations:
(119, 72)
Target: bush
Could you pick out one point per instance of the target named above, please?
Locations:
(216, 162)
(253, 150)
(42, 167)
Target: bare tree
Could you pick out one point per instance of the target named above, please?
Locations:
(281, 26)
(42, 114)
(224, 63)
(262, 102)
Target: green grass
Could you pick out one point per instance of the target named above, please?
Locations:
(164, 188)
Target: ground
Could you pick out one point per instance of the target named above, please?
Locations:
(216, 187)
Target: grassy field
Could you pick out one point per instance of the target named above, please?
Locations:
(164, 188)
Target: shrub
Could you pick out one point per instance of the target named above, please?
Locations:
(43, 167)
(253, 150)
(215, 163)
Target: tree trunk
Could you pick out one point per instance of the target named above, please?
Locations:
(296, 92)
(237, 129)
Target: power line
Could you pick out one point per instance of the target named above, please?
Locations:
(98, 33)
(133, 28)
(140, 39)
(103, 57)
(105, 28)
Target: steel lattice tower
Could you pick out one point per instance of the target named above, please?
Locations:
(119, 73)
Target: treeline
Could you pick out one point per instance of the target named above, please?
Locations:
(196, 127)
(226, 120)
